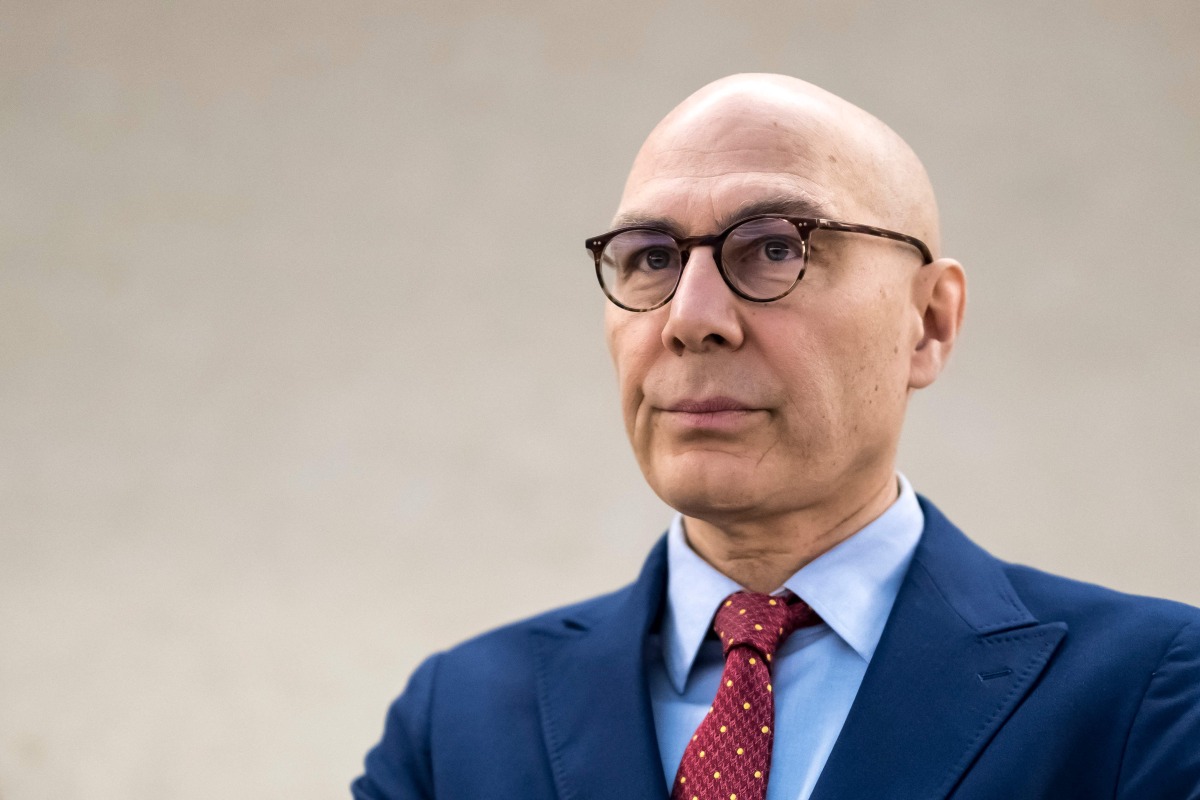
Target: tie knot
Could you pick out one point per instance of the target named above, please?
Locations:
(761, 621)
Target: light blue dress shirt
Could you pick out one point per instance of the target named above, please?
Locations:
(816, 672)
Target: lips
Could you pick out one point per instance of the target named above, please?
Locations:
(720, 416)
(711, 405)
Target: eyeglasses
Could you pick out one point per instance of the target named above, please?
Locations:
(760, 258)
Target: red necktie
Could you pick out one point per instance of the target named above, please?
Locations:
(729, 758)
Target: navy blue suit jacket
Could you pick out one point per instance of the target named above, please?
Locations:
(990, 681)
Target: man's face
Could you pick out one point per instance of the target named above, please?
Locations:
(739, 411)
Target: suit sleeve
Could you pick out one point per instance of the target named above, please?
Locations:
(1162, 754)
(400, 767)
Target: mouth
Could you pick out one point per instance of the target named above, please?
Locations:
(711, 405)
(710, 413)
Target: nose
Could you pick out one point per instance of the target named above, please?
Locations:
(703, 314)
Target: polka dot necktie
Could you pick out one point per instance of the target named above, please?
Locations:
(729, 758)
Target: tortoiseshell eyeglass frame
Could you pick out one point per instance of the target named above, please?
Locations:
(804, 226)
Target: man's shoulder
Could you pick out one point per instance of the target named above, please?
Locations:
(969, 573)
(637, 600)
(514, 637)
(1089, 607)
(507, 657)
(456, 698)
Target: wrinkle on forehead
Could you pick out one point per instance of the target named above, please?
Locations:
(792, 203)
(770, 133)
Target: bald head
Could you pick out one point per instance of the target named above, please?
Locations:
(786, 136)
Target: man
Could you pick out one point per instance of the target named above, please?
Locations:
(808, 627)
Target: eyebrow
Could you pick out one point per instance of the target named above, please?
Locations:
(787, 205)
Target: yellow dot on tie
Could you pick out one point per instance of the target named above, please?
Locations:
(729, 683)
(710, 708)
(765, 729)
(728, 603)
(752, 661)
(758, 627)
(774, 603)
(743, 611)
(781, 631)
(769, 689)
(746, 706)
(740, 751)
(733, 797)
(723, 729)
(702, 754)
(757, 774)
(682, 779)
(768, 656)
(716, 774)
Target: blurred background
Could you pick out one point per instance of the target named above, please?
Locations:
(301, 368)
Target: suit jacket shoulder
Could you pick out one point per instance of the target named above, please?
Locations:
(1094, 609)
(1142, 659)
(998, 681)
(507, 713)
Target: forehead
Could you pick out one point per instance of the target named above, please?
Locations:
(686, 209)
(699, 176)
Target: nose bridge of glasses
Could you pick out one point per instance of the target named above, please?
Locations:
(705, 273)
(690, 243)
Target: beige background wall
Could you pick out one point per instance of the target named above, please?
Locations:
(301, 374)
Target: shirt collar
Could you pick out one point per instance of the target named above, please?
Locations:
(852, 586)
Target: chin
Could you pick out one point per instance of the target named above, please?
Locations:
(711, 485)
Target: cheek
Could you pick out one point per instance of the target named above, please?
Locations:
(815, 391)
(876, 359)
(849, 368)
(628, 337)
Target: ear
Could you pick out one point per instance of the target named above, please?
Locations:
(939, 296)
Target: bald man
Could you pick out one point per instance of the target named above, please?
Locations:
(808, 626)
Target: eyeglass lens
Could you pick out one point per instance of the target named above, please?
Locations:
(762, 259)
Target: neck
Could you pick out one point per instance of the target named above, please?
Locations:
(761, 554)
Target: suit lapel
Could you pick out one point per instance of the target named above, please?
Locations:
(959, 653)
(593, 695)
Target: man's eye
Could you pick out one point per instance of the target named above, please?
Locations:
(656, 259)
(777, 251)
